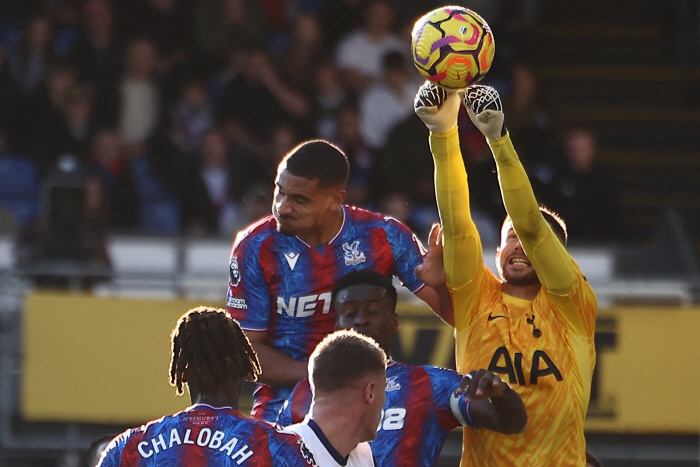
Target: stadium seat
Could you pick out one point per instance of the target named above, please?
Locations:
(19, 188)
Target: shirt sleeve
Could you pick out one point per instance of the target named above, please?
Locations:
(555, 268)
(112, 454)
(248, 298)
(297, 405)
(408, 253)
(449, 413)
(291, 451)
(462, 251)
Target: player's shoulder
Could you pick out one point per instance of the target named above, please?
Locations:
(256, 232)
(364, 217)
(440, 376)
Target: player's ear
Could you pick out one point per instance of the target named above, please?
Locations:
(338, 198)
(394, 323)
(370, 391)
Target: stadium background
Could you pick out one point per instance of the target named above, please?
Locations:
(83, 339)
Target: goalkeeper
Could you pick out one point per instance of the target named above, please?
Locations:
(534, 324)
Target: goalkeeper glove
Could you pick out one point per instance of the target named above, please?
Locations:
(485, 109)
(437, 107)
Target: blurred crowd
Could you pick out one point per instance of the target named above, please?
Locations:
(170, 116)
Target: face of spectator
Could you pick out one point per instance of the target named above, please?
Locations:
(349, 126)
(379, 18)
(141, 60)
(107, 149)
(39, 33)
(195, 95)
(59, 81)
(300, 207)
(307, 30)
(78, 112)
(367, 309)
(581, 149)
(98, 18)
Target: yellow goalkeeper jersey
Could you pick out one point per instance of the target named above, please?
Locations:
(543, 348)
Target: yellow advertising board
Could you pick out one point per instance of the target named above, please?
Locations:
(105, 360)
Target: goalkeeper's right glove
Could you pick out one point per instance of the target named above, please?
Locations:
(437, 107)
(485, 109)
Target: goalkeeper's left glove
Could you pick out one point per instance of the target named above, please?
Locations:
(437, 107)
(485, 109)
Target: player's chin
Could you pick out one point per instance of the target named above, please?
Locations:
(521, 278)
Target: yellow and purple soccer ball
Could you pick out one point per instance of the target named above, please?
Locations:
(452, 46)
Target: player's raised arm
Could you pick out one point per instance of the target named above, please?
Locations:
(547, 253)
(462, 253)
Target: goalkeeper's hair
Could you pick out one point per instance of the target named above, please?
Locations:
(210, 346)
(318, 159)
(342, 359)
(553, 219)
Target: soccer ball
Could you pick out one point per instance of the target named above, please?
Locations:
(452, 46)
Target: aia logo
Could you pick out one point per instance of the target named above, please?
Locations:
(542, 365)
(351, 253)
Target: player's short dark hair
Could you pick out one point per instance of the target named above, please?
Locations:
(592, 460)
(555, 222)
(318, 159)
(365, 277)
(208, 343)
(342, 358)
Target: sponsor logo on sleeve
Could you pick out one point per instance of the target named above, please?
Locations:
(234, 273)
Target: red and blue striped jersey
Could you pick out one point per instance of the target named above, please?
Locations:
(204, 435)
(282, 285)
(416, 418)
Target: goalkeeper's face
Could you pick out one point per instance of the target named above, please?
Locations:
(513, 264)
(300, 207)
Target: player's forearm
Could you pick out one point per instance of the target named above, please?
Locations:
(278, 369)
(510, 412)
(440, 301)
(548, 256)
(462, 249)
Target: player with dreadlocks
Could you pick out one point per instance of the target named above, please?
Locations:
(212, 356)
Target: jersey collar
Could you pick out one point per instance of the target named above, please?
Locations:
(327, 444)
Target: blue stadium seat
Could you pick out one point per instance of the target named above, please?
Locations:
(19, 188)
(160, 217)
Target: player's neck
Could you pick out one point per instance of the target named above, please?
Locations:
(326, 232)
(526, 292)
(340, 425)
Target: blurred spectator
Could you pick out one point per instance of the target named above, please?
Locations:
(192, 115)
(307, 48)
(71, 134)
(531, 121)
(28, 62)
(15, 122)
(97, 53)
(582, 192)
(257, 100)
(139, 105)
(360, 53)
(109, 164)
(329, 96)
(166, 23)
(212, 190)
(360, 189)
(219, 24)
(388, 101)
(341, 17)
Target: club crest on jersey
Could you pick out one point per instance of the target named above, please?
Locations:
(234, 274)
(351, 255)
(392, 384)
